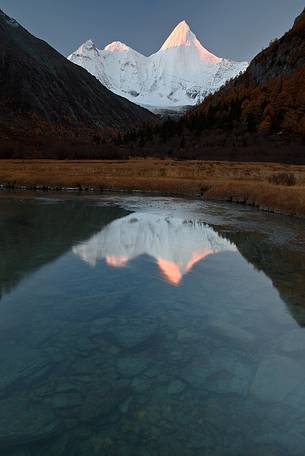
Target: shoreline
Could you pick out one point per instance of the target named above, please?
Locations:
(267, 186)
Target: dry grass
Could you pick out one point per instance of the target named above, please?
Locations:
(264, 185)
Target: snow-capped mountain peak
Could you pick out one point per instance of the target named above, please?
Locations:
(181, 73)
(88, 47)
(117, 46)
(180, 36)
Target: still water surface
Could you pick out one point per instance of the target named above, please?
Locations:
(150, 326)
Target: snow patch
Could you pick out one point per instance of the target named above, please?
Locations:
(116, 46)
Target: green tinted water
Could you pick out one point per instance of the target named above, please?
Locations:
(149, 326)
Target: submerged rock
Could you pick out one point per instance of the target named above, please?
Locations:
(141, 384)
(132, 365)
(276, 377)
(130, 331)
(124, 407)
(230, 331)
(291, 443)
(22, 364)
(99, 326)
(223, 372)
(176, 387)
(23, 422)
(66, 401)
(293, 341)
(94, 406)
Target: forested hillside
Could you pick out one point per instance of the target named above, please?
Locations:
(269, 97)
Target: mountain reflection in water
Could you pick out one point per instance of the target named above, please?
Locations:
(176, 244)
(110, 360)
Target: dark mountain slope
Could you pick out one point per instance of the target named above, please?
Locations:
(269, 98)
(35, 79)
(282, 57)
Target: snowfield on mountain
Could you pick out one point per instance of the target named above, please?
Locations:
(181, 73)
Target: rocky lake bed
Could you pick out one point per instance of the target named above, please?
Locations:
(135, 325)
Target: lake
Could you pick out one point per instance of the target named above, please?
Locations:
(138, 325)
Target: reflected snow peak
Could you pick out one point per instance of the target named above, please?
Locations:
(176, 244)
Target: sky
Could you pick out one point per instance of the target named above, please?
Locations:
(235, 29)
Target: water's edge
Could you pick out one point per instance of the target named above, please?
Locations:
(210, 194)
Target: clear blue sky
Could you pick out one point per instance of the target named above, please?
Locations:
(236, 29)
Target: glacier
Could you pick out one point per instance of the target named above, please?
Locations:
(181, 73)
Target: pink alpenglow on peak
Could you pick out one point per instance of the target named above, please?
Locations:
(182, 36)
(175, 244)
(181, 73)
(117, 46)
